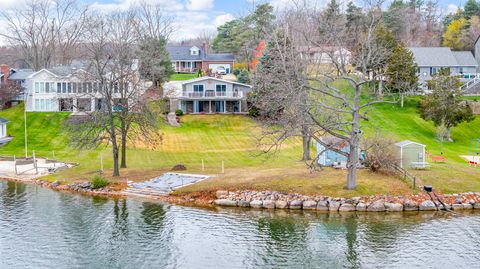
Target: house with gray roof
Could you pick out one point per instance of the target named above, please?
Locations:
(4, 138)
(189, 59)
(207, 95)
(430, 60)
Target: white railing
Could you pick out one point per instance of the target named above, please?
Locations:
(213, 94)
(474, 79)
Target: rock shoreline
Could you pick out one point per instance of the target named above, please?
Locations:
(376, 203)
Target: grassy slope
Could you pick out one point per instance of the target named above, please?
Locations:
(217, 138)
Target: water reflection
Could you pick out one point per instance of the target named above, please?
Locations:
(38, 226)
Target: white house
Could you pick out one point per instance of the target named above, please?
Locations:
(64, 88)
(4, 138)
(208, 95)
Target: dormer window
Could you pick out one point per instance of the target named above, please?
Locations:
(194, 51)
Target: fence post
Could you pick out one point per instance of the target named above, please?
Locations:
(53, 156)
(101, 164)
(15, 162)
(414, 181)
(35, 161)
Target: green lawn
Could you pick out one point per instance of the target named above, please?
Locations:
(175, 77)
(232, 139)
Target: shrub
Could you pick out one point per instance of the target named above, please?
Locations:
(253, 112)
(239, 66)
(179, 112)
(236, 71)
(99, 182)
(244, 76)
(380, 153)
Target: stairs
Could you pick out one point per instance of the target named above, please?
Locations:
(472, 87)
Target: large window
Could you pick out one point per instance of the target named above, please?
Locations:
(197, 88)
(44, 104)
(42, 87)
(221, 89)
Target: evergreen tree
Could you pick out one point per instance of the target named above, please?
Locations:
(444, 106)
(472, 8)
(402, 70)
(244, 76)
(155, 63)
(393, 18)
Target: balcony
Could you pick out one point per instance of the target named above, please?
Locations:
(213, 94)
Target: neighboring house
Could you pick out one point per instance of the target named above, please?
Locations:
(4, 138)
(189, 59)
(328, 157)
(431, 59)
(64, 88)
(19, 77)
(207, 95)
(326, 55)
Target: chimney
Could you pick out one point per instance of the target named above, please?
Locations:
(205, 48)
(5, 70)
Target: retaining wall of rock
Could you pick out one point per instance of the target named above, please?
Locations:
(377, 203)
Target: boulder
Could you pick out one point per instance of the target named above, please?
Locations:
(333, 205)
(55, 184)
(427, 205)
(270, 204)
(457, 207)
(256, 203)
(309, 204)
(467, 206)
(410, 205)
(361, 207)
(179, 167)
(225, 202)
(322, 206)
(221, 194)
(393, 207)
(281, 204)
(377, 206)
(243, 203)
(295, 204)
(347, 207)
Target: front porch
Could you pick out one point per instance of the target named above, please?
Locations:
(212, 106)
(186, 66)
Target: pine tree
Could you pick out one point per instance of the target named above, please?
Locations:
(444, 106)
(472, 8)
(402, 70)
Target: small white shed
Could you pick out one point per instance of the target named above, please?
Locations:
(410, 154)
(4, 138)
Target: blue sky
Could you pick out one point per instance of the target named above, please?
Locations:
(195, 16)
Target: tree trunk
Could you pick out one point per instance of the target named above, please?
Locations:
(354, 142)
(447, 135)
(116, 169)
(306, 144)
(380, 89)
(123, 163)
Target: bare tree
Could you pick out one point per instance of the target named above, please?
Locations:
(337, 98)
(46, 32)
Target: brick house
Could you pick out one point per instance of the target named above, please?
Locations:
(189, 59)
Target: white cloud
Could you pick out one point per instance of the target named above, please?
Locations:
(199, 4)
(169, 5)
(452, 8)
(222, 19)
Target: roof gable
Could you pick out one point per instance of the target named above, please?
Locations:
(406, 143)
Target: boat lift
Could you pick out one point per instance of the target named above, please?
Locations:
(474, 148)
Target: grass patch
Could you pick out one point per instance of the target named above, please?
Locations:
(232, 139)
(176, 77)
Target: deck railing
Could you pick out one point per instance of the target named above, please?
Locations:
(213, 94)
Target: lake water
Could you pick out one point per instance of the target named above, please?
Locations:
(40, 228)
